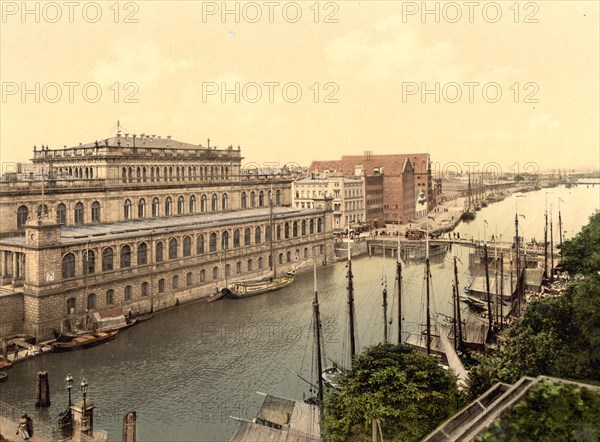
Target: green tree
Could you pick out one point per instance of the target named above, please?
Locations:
(581, 254)
(551, 412)
(408, 392)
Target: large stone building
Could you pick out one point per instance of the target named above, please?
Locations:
(347, 194)
(143, 223)
(406, 182)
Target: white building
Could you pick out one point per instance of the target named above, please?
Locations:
(348, 193)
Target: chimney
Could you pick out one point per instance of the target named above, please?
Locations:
(168, 137)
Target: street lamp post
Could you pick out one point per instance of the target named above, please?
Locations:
(69, 380)
(84, 390)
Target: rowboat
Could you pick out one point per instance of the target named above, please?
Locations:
(85, 341)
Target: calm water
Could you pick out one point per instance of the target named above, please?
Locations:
(187, 370)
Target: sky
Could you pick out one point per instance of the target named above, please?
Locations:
(513, 83)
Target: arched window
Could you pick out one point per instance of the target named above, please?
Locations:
(215, 273)
(161, 286)
(278, 237)
(124, 175)
(277, 197)
(91, 301)
(39, 211)
(22, 214)
(144, 289)
(236, 239)
(252, 199)
(281, 258)
(78, 213)
(89, 262)
(193, 204)
(250, 265)
(247, 236)
(224, 202)
(312, 226)
(295, 229)
(95, 212)
(142, 254)
(152, 174)
(107, 259)
(287, 230)
(238, 267)
(142, 208)
(127, 209)
(225, 240)
(257, 235)
(268, 234)
(214, 202)
(244, 203)
(270, 262)
(227, 269)
(110, 297)
(138, 174)
(130, 174)
(306, 252)
(289, 256)
(155, 207)
(200, 244)
(127, 293)
(202, 272)
(203, 203)
(70, 306)
(261, 199)
(188, 278)
(319, 225)
(303, 228)
(61, 214)
(180, 205)
(169, 206)
(187, 246)
(260, 263)
(125, 256)
(159, 251)
(68, 266)
(172, 248)
(175, 280)
(213, 242)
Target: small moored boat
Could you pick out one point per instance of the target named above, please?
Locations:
(85, 341)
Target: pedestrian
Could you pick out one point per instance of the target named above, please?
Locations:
(25, 427)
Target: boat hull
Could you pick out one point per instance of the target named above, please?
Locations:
(246, 290)
(83, 342)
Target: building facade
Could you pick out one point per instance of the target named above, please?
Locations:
(405, 177)
(143, 226)
(347, 194)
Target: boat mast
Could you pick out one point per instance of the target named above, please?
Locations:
(384, 305)
(399, 278)
(501, 288)
(546, 244)
(351, 303)
(560, 228)
(551, 248)
(427, 285)
(317, 325)
(487, 290)
(456, 285)
(469, 194)
(518, 264)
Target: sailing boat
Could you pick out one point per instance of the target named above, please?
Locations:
(260, 285)
(468, 213)
(331, 374)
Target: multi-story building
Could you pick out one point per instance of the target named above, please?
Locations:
(142, 223)
(406, 178)
(347, 194)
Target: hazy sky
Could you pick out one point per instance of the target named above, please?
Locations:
(361, 68)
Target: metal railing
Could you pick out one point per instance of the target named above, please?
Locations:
(40, 427)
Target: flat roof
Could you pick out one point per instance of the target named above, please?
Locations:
(145, 226)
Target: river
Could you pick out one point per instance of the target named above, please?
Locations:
(188, 369)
